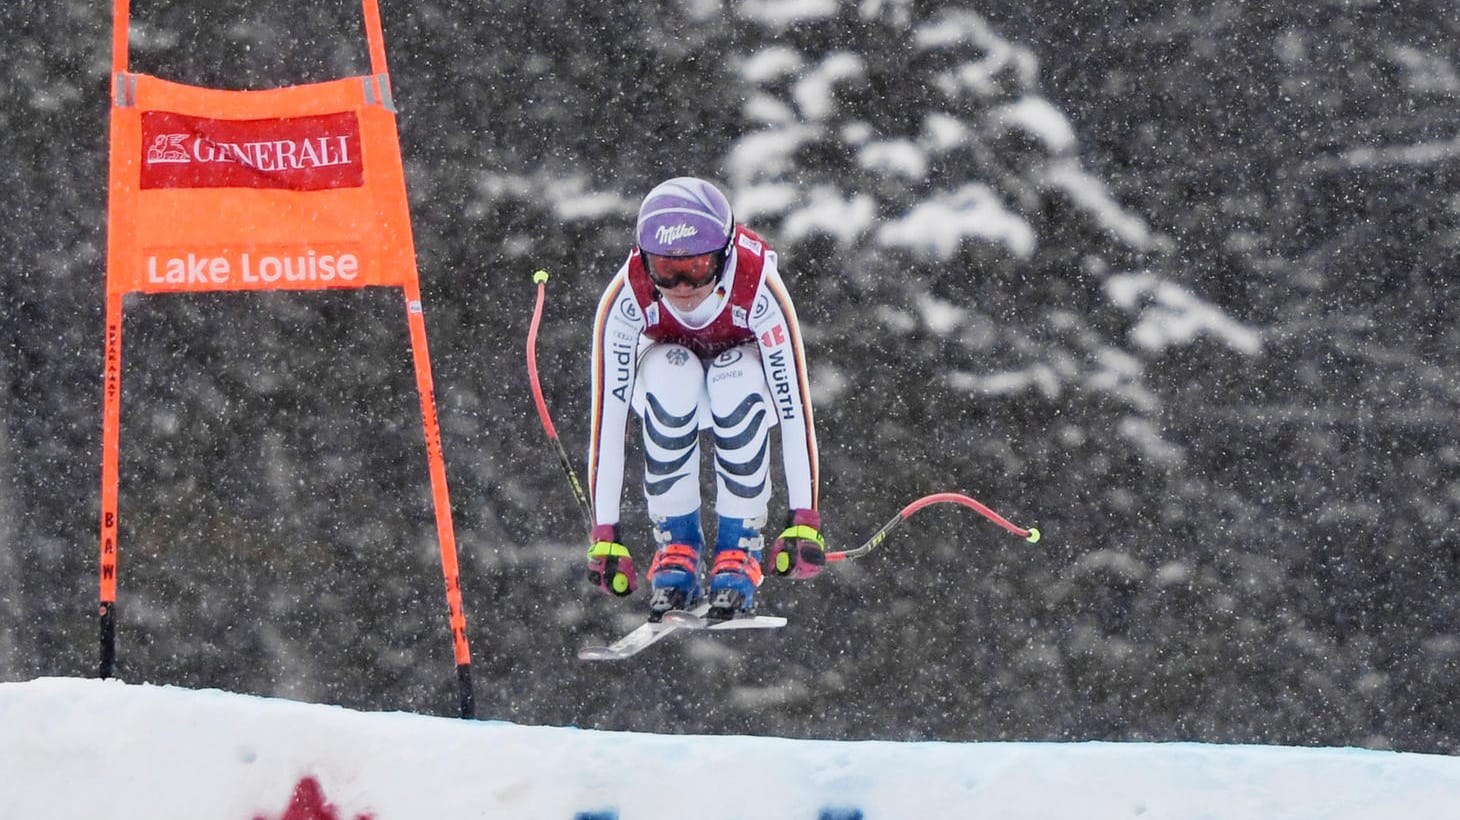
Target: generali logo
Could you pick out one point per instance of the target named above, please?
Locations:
(296, 153)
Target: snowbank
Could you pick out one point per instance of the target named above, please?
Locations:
(73, 748)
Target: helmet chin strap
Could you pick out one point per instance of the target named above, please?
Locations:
(727, 253)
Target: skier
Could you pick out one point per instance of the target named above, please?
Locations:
(696, 331)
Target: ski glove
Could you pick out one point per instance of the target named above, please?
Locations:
(800, 551)
(610, 568)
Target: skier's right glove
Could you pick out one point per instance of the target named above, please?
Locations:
(610, 568)
(800, 551)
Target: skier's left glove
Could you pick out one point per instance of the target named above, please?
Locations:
(610, 567)
(800, 551)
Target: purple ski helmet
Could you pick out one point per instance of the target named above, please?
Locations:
(684, 216)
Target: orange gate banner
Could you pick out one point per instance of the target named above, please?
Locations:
(294, 188)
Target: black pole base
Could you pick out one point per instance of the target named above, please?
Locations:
(468, 699)
(108, 640)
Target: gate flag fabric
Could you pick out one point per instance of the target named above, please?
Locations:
(294, 188)
(256, 190)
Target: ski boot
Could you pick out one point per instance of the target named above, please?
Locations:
(736, 572)
(674, 575)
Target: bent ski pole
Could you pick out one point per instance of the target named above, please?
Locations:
(540, 277)
(1031, 535)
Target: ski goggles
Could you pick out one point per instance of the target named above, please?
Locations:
(671, 271)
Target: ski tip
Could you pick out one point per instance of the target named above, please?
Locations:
(539, 276)
(1033, 537)
(598, 653)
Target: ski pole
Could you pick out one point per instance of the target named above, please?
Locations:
(1031, 535)
(540, 278)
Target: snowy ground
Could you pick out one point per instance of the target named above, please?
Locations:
(75, 748)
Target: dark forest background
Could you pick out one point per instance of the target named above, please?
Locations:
(1230, 406)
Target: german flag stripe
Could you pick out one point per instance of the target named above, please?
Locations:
(803, 382)
(600, 348)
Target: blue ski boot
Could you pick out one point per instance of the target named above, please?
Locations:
(736, 572)
(674, 575)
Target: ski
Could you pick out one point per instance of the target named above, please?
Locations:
(642, 637)
(647, 634)
(697, 620)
